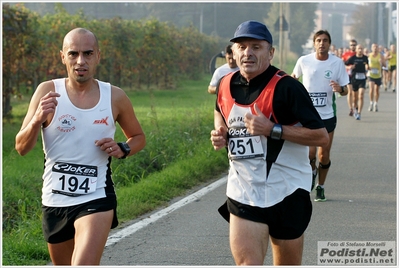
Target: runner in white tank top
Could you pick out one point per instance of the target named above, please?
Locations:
(77, 118)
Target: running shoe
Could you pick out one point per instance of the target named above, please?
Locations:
(350, 112)
(375, 107)
(357, 117)
(370, 107)
(320, 194)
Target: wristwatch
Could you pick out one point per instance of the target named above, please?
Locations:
(125, 149)
(277, 132)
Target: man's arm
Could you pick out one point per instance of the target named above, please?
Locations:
(259, 124)
(41, 108)
(219, 134)
(214, 81)
(297, 72)
(382, 61)
(349, 63)
(125, 116)
(388, 56)
(211, 89)
(305, 136)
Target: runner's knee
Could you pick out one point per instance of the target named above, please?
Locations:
(327, 166)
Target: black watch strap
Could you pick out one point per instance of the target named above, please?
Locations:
(125, 149)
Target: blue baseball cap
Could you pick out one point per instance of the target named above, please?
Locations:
(252, 29)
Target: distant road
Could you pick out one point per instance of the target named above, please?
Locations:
(361, 189)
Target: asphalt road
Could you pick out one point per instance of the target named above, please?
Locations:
(361, 189)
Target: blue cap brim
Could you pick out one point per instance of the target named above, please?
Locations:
(254, 36)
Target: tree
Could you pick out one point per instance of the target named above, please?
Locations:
(14, 28)
(365, 22)
(301, 23)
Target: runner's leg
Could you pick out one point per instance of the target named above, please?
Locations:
(248, 241)
(287, 252)
(91, 235)
(61, 253)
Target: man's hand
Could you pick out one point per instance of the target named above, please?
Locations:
(46, 106)
(219, 138)
(109, 146)
(258, 123)
(335, 86)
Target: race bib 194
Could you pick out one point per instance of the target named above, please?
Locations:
(74, 179)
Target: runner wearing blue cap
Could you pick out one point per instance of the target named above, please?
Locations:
(266, 120)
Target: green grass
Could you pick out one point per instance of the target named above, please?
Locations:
(177, 157)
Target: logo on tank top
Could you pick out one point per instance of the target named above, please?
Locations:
(101, 121)
(66, 123)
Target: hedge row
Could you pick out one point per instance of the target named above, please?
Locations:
(134, 54)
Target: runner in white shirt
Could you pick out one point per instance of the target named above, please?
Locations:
(322, 75)
(228, 67)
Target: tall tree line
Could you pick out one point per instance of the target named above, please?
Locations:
(213, 19)
(367, 19)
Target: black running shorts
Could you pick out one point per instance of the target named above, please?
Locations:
(58, 222)
(356, 84)
(286, 220)
(377, 81)
(330, 124)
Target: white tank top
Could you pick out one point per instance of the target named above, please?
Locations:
(76, 170)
